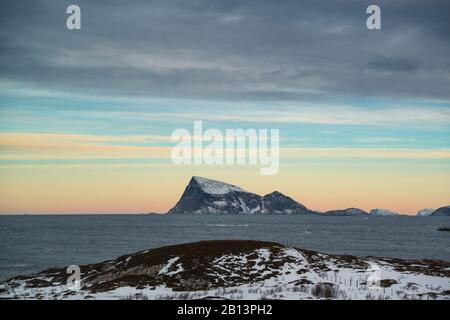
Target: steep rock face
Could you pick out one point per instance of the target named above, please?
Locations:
(277, 202)
(443, 212)
(347, 212)
(207, 196)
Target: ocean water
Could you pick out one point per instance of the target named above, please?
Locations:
(29, 244)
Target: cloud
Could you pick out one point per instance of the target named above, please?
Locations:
(37, 146)
(230, 50)
(310, 114)
(386, 64)
(386, 139)
(352, 153)
(32, 138)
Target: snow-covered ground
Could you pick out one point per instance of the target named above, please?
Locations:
(259, 270)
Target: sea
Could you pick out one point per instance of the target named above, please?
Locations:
(32, 243)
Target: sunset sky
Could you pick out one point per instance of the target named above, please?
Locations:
(86, 115)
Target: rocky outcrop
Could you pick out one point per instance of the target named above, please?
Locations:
(441, 212)
(347, 212)
(207, 196)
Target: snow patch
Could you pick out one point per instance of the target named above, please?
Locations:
(165, 269)
(216, 187)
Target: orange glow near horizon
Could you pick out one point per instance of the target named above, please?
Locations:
(60, 173)
(156, 188)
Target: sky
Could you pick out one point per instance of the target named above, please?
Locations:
(86, 115)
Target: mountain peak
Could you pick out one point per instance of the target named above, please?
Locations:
(211, 186)
(276, 202)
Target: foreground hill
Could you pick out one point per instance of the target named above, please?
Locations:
(234, 269)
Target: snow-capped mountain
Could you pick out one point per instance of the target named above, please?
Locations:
(236, 269)
(209, 196)
(346, 212)
(383, 212)
(425, 212)
(443, 212)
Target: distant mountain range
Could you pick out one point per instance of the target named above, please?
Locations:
(208, 196)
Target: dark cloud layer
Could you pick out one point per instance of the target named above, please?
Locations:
(249, 50)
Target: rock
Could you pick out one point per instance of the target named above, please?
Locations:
(347, 212)
(442, 212)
